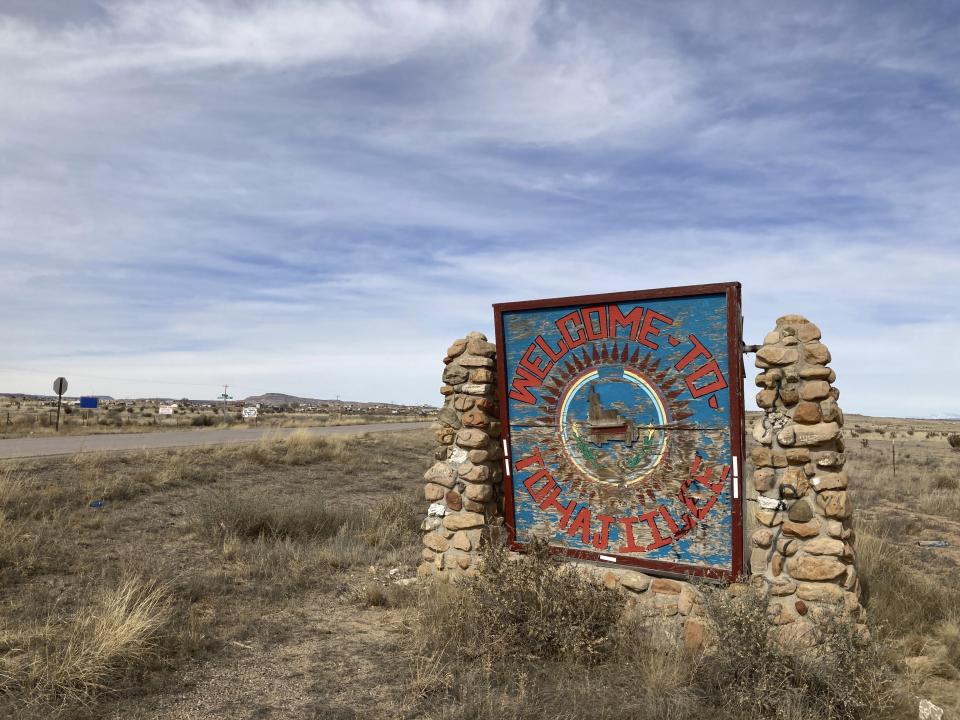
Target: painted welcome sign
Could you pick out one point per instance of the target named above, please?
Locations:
(623, 426)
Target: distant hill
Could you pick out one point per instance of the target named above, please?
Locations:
(282, 399)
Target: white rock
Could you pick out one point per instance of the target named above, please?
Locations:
(929, 711)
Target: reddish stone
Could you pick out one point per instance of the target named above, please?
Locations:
(662, 585)
(488, 405)
(453, 500)
(807, 413)
(476, 419)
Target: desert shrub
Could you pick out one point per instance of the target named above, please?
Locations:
(203, 421)
(254, 516)
(373, 592)
(749, 671)
(534, 607)
(394, 522)
(943, 481)
(954, 440)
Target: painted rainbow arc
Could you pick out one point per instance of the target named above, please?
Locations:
(648, 390)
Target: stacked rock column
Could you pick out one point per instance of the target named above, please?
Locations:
(802, 550)
(463, 485)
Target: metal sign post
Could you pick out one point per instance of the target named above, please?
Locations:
(59, 387)
(623, 427)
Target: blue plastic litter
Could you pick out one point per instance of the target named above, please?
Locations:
(97, 504)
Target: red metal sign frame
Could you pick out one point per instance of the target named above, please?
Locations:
(735, 376)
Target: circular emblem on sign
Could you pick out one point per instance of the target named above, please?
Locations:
(612, 423)
(617, 423)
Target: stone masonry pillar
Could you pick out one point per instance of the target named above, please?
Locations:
(463, 484)
(803, 547)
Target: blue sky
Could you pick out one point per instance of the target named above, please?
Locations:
(317, 197)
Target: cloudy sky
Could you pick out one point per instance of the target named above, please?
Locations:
(317, 197)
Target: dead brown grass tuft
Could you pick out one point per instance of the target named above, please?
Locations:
(901, 600)
(283, 545)
(250, 516)
(298, 448)
(75, 659)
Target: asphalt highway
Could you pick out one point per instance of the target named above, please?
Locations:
(70, 444)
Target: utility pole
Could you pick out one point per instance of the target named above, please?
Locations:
(225, 397)
(894, 460)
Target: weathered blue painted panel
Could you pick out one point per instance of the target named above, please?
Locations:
(619, 417)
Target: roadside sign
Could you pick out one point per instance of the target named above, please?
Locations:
(249, 412)
(622, 417)
(165, 410)
(59, 387)
(89, 403)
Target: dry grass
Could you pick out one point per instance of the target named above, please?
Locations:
(250, 549)
(33, 420)
(131, 609)
(298, 448)
(533, 607)
(76, 658)
(284, 548)
(902, 600)
(750, 672)
(530, 639)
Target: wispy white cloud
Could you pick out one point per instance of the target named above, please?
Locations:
(284, 192)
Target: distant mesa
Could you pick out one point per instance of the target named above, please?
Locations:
(282, 399)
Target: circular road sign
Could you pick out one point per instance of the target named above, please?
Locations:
(60, 385)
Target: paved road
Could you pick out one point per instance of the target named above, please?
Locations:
(70, 444)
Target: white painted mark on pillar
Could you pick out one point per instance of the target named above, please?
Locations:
(736, 477)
